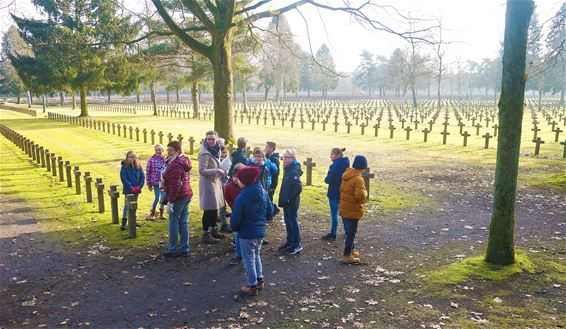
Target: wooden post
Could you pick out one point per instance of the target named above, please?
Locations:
(68, 172)
(77, 180)
(42, 154)
(132, 205)
(88, 187)
(100, 189)
(114, 196)
(60, 163)
(309, 164)
(53, 165)
(47, 160)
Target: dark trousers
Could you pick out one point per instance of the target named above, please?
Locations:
(291, 218)
(274, 206)
(209, 219)
(350, 227)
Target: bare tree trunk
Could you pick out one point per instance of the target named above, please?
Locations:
(245, 96)
(29, 98)
(108, 96)
(167, 93)
(266, 92)
(195, 99)
(177, 95)
(414, 93)
(84, 109)
(540, 91)
(44, 102)
(138, 93)
(62, 98)
(501, 244)
(74, 99)
(152, 88)
(18, 98)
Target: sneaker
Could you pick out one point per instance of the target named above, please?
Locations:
(235, 260)
(260, 284)
(138, 225)
(283, 247)
(225, 229)
(294, 250)
(276, 211)
(356, 254)
(249, 291)
(329, 237)
(264, 242)
(350, 260)
(123, 228)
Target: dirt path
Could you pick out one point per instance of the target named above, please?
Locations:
(102, 288)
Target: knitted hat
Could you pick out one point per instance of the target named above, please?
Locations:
(360, 162)
(248, 175)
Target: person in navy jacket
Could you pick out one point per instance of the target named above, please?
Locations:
(133, 179)
(248, 219)
(289, 200)
(334, 179)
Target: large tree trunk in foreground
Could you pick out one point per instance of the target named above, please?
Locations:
(223, 87)
(501, 245)
(73, 99)
(84, 109)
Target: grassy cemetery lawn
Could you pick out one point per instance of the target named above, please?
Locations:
(422, 239)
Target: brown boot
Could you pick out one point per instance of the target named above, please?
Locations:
(250, 291)
(151, 215)
(161, 214)
(208, 239)
(217, 235)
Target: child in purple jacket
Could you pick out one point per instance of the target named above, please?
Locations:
(153, 172)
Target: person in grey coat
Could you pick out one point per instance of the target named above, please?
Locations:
(211, 197)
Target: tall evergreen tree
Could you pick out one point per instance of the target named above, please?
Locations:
(324, 71)
(73, 41)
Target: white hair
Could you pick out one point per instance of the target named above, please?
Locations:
(290, 153)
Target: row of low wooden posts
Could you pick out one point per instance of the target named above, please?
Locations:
(57, 167)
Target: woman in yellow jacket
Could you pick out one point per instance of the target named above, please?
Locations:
(353, 196)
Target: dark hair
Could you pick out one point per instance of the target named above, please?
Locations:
(338, 151)
(176, 145)
(271, 144)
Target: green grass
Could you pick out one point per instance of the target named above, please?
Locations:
(100, 153)
(476, 268)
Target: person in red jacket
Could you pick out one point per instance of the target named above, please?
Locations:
(177, 188)
(231, 191)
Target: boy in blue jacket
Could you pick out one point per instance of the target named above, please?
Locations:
(289, 200)
(248, 219)
(334, 179)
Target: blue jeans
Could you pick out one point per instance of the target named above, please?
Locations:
(125, 211)
(179, 226)
(222, 214)
(334, 206)
(350, 227)
(291, 218)
(251, 249)
(237, 244)
(157, 193)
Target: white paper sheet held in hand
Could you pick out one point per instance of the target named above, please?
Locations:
(225, 164)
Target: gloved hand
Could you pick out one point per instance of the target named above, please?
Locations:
(169, 208)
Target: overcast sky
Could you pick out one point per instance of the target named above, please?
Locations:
(474, 27)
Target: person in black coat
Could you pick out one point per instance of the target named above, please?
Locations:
(274, 158)
(289, 200)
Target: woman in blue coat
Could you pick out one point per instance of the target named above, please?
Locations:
(334, 179)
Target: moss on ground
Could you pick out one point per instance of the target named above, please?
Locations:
(476, 268)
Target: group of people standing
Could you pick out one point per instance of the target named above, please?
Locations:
(247, 186)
